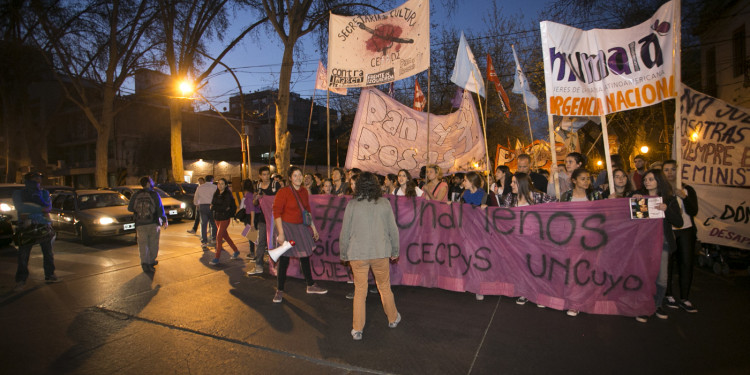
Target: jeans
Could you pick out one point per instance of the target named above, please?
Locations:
(304, 263)
(207, 218)
(148, 242)
(381, 269)
(24, 252)
(197, 219)
(661, 279)
(262, 245)
(223, 235)
(683, 259)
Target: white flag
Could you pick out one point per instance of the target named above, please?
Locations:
(321, 80)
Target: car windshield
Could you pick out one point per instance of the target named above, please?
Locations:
(98, 200)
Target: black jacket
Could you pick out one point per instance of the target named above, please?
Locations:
(223, 206)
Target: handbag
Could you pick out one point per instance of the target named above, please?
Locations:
(33, 234)
(306, 216)
(241, 215)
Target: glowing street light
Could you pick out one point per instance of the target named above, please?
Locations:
(644, 149)
(186, 87)
(599, 163)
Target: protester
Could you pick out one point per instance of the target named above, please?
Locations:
(390, 183)
(435, 188)
(309, 182)
(623, 186)
(456, 188)
(150, 220)
(369, 238)
(573, 161)
(248, 189)
(406, 186)
(33, 206)
(197, 215)
(327, 187)
(655, 184)
(601, 179)
(289, 224)
(636, 177)
(685, 238)
(223, 209)
(202, 199)
(278, 179)
(524, 166)
(339, 186)
(474, 195)
(270, 188)
(501, 187)
(318, 181)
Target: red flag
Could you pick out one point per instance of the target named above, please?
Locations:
(492, 76)
(419, 100)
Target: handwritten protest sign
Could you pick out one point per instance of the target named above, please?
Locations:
(588, 256)
(714, 139)
(723, 216)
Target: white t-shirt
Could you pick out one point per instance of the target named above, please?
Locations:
(400, 192)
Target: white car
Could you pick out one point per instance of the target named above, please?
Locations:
(6, 200)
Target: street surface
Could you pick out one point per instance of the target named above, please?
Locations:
(108, 317)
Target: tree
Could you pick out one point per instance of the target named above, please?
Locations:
(96, 47)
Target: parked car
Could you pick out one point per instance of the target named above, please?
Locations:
(89, 214)
(6, 230)
(174, 209)
(6, 200)
(183, 192)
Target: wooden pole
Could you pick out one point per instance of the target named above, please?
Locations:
(328, 130)
(307, 140)
(484, 130)
(429, 160)
(607, 156)
(554, 170)
(676, 59)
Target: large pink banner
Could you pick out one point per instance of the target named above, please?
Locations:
(588, 256)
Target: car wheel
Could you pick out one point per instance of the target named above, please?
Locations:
(84, 235)
(190, 212)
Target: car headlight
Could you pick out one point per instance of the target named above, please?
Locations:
(106, 220)
(183, 205)
(6, 207)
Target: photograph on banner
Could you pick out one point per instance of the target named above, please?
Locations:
(388, 136)
(723, 215)
(369, 50)
(646, 208)
(715, 140)
(588, 256)
(597, 72)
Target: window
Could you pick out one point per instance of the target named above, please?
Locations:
(711, 72)
(738, 51)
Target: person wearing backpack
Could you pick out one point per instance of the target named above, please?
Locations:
(150, 220)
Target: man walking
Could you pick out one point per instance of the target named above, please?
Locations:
(33, 205)
(202, 199)
(150, 220)
(197, 215)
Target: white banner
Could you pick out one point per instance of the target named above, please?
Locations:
(723, 215)
(715, 140)
(388, 136)
(369, 50)
(595, 72)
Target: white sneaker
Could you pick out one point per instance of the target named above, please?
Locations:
(479, 297)
(572, 312)
(395, 323)
(255, 271)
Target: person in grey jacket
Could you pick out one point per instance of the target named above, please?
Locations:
(150, 220)
(369, 239)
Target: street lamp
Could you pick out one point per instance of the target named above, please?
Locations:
(644, 149)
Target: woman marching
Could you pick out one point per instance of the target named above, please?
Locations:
(223, 208)
(290, 226)
(501, 187)
(476, 196)
(623, 187)
(573, 161)
(368, 240)
(406, 186)
(655, 184)
(435, 188)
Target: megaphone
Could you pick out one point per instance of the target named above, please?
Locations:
(279, 251)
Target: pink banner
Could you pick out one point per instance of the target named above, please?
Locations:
(588, 256)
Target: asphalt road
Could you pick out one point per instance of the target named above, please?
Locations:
(108, 317)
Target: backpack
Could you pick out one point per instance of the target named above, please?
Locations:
(144, 207)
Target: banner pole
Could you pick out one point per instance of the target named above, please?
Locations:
(328, 130)
(429, 76)
(553, 152)
(607, 156)
(484, 130)
(487, 106)
(676, 60)
(307, 140)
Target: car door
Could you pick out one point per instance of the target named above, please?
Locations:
(67, 217)
(54, 214)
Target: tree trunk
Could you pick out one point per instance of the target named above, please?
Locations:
(283, 137)
(175, 119)
(103, 133)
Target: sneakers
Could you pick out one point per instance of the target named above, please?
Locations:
(521, 301)
(641, 318)
(660, 313)
(250, 256)
(155, 263)
(479, 297)
(147, 268)
(52, 278)
(255, 271)
(315, 289)
(236, 255)
(671, 302)
(191, 231)
(19, 286)
(540, 306)
(688, 306)
(395, 323)
(215, 262)
(572, 312)
(278, 297)
(357, 335)
(350, 295)
(373, 289)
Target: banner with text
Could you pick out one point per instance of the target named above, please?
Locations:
(715, 140)
(588, 256)
(369, 50)
(388, 136)
(596, 72)
(723, 215)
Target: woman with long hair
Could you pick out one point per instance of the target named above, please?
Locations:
(406, 186)
(501, 187)
(223, 208)
(368, 240)
(476, 196)
(435, 188)
(573, 161)
(623, 186)
(289, 224)
(655, 184)
(309, 183)
(339, 185)
(327, 188)
(390, 183)
(580, 182)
